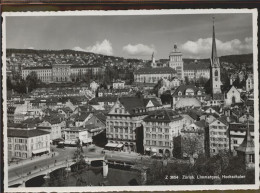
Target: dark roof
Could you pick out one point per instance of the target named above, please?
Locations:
(100, 116)
(37, 67)
(201, 123)
(84, 66)
(25, 133)
(199, 65)
(32, 121)
(80, 116)
(219, 96)
(43, 127)
(159, 70)
(183, 89)
(132, 104)
(103, 99)
(163, 116)
(240, 127)
(53, 119)
(156, 102)
(247, 145)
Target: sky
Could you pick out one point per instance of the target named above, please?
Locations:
(133, 36)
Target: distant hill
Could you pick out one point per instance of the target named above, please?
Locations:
(88, 57)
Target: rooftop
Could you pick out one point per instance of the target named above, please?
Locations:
(160, 70)
(25, 133)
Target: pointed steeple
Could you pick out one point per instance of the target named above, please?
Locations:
(214, 56)
(247, 146)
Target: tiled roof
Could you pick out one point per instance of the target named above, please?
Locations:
(100, 116)
(156, 102)
(103, 99)
(199, 65)
(240, 127)
(132, 104)
(160, 70)
(201, 123)
(183, 89)
(38, 67)
(25, 133)
(164, 115)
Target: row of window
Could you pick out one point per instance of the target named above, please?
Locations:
(159, 123)
(159, 143)
(219, 145)
(123, 130)
(159, 130)
(218, 127)
(160, 136)
(218, 133)
(121, 124)
(116, 136)
(218, 139)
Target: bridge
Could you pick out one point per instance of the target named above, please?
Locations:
(21, 179)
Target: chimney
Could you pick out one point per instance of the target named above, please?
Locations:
(228, 119)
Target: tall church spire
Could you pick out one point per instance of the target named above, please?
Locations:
(214, 56)
(214, 47)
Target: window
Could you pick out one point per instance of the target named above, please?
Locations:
(166, 130)
(147, 129)
(235, 141)
(147, 142)
(154, 142)
(153, 136)
(160, 130)
(166, 143)
(154, 129)
(216, 73)
(148, 135)
(251, 158)
(166, 136)
(160, 143)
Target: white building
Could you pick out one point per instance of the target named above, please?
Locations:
(232, 96)
(160, 127)
(23, 144)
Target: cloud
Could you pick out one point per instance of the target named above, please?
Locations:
(104, 47)
(138, 49)
(30, 48)
(202, 47)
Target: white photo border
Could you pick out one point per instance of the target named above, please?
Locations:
(254, 13)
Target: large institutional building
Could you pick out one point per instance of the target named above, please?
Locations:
(174, 68)
(60, 72)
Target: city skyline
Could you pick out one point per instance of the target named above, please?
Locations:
(127, 36)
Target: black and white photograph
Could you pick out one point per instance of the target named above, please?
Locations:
(130, 100)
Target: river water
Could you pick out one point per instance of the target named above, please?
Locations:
(87, 177)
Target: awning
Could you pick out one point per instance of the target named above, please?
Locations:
(88, 140)
(153, 150)
(120, 145)
(111, 145)
(148, 149)
(70, 142)
(39, 151)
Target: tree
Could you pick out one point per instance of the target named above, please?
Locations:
(32, 81)
(9, 83)
(187, 80)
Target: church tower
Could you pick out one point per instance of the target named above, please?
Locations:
(176, 61)
(215, 67)
(153, 63)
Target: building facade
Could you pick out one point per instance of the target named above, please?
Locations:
(176, 62)
(61, 72)
(123, 120)
(160, 127)
(24, 144)
(218, 136)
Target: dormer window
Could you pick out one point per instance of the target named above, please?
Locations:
(179, 93)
